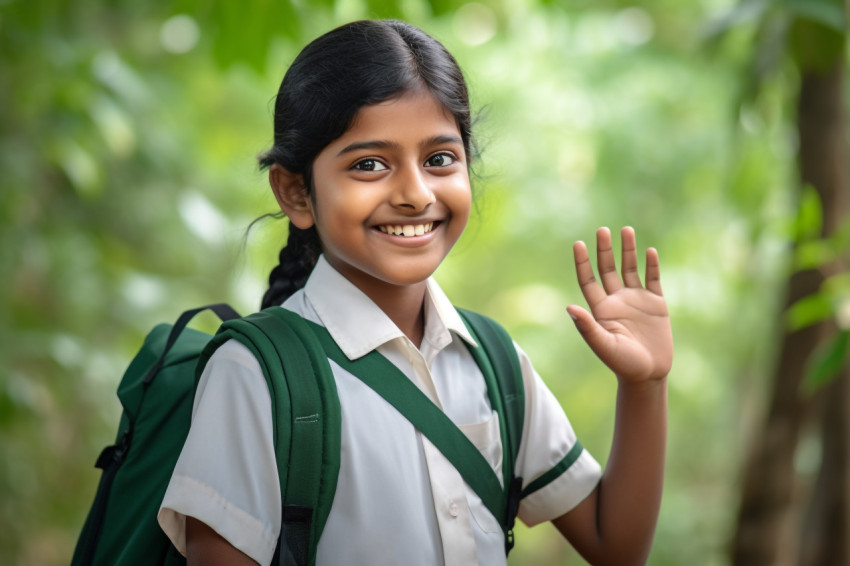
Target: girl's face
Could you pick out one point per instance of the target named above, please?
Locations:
(392, 194)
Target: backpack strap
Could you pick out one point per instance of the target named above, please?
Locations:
(313, 486)
(306, 417)
(498, 361)
(396, 388)
(224, 311)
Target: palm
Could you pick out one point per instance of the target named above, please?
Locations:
(628, 326)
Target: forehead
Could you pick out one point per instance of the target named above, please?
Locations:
(414, 115)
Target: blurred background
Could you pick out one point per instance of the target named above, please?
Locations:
(128, 140)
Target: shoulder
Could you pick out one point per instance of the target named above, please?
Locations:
(234, 352)
(231, 372)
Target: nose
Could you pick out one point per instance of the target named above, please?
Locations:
(412, 191)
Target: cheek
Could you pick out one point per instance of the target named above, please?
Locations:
(459, 203)
(461, 200)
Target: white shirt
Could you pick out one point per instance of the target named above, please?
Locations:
(398, 499)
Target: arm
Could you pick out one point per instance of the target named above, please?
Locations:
(204, 546)
(211, 497)
(628, 327)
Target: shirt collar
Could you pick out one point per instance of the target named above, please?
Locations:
(359, 326)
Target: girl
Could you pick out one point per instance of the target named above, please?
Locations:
(370, 163)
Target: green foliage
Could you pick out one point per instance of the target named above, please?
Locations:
(815, 45)
(808, 311)
(808, 225)
(832, 300)
(829, 13)
(811, 32)
(827, 362)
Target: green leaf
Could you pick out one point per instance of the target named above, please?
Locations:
(385, 9)
(243, 33)
(814, 45)
(809, 221)
(743, 13)
(808, 311)
(827, 362)
(826, 12)
(838, 285)
(813, 254)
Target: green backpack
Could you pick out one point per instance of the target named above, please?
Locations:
(157, 392)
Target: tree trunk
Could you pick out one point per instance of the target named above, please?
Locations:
(825, 539)
(768, 533)
(765, 518)
(826, 533)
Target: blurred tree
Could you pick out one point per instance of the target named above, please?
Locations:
(773, 527)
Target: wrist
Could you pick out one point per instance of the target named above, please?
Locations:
(642, 387)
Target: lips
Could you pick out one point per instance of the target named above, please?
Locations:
(406, 230)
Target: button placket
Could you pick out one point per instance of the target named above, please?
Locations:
(451, 507)
(421, 372)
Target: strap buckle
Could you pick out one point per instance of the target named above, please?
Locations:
(514, 496)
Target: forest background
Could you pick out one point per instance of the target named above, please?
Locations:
(128, 140)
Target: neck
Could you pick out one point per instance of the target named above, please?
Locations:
(404, 305)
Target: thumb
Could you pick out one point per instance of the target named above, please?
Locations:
(591, 331)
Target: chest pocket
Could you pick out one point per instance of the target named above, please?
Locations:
(487, 439)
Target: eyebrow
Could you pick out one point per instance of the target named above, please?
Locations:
(384, 144)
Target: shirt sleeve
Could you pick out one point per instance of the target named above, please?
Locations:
(226, 475)
(557, 472)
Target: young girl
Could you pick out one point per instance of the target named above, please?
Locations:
(370, 163)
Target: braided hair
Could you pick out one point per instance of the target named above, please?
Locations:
(355, 65)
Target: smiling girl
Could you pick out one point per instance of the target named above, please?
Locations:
(370, 163)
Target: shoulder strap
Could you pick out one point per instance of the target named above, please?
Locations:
(224, 311)
(306, 416)
(500, 365)
(498, 361)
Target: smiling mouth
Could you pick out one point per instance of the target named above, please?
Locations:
(407, 230)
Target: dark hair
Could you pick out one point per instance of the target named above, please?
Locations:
(355, 65)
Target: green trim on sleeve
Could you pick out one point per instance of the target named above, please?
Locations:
(555, 472)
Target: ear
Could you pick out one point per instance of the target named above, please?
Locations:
(291, 195)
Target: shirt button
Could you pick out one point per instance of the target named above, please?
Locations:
(454, 510)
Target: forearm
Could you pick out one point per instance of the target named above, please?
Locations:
(630, 492)
(616, 524)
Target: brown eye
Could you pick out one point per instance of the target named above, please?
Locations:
(440, 160)
(369, 165)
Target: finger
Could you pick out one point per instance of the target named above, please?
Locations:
(591, 331)
(653, 271)
(591, 290)
(631, 277)
(605, 262)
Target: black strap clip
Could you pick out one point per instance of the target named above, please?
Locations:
(514, 496)
(113, 455)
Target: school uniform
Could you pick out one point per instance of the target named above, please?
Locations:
(398, 499)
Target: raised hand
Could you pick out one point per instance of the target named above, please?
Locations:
(628, 326)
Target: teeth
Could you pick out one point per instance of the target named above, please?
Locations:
(407, 230)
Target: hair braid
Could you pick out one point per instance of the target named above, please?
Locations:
(297, 260)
